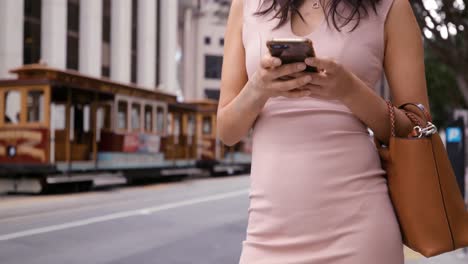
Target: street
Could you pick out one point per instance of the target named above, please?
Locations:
(193, 221)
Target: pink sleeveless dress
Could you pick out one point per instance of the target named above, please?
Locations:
(318, 194)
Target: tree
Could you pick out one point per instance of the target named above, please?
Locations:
(444, 95)
(445, 25)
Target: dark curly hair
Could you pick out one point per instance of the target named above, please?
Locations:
(283, 8)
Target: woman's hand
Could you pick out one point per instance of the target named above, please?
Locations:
(332, 82)
(269, 80)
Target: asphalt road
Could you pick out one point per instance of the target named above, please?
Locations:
(194, 221)
(198, 221)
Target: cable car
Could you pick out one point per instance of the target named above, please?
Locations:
(60, 127)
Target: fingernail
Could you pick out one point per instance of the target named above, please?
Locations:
(277, 62)
(309, 60)
(301, 67)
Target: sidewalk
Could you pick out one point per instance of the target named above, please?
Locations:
(457, 257)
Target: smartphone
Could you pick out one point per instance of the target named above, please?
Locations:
(292, 50)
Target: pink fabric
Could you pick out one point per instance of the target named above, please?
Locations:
(318, 194)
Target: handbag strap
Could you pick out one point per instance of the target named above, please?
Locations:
(391, 112)
(413, 118)
(421, 108)
(419, 130)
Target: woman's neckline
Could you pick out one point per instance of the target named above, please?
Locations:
(313, 32)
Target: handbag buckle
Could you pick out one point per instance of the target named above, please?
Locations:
(427, 131)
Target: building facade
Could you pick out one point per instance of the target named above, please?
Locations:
(128, 41)
(173, 45)
(202, 24)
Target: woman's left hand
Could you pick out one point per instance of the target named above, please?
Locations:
(332, 82)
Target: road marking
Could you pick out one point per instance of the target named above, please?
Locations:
(71, 207)
(120, 215)
(27, 200)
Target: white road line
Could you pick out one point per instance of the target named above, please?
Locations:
(120, 215)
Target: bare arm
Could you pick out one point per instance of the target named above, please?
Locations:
(404, 68)
(238, 108)
(241, 100)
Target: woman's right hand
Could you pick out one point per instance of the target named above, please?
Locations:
(271, 80)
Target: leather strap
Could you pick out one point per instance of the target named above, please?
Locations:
(412, 116)
(421, 108)
(391, 112)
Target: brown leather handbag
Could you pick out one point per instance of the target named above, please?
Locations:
(423, 188)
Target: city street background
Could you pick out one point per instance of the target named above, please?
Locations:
(197, 221)
(127, 90)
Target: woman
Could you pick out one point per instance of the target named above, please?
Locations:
(318, 194)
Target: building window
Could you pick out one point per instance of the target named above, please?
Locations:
(72, 53)
(212, 93)
(207, 40)
(122, 115)
(12, 107)
(73, 34)
(32, 31)
(148, 118)
(134, 41)
(136, 117)
(35, 106)
(106, 39)
(221, 42)
(213, 66)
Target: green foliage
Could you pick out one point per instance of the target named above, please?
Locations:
(444, 94)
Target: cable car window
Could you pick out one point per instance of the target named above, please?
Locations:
(148, 118)
(176, 131)
(207, 125)
(160, 119)
(58, 116)
(35, 106)
(100, 118)
(191, 125)
(86, 109)
(190, 129)
(107, 117)
(177, 125)
(136, 116)
(122, 115)
(169, 124)
(12, 107)
(103, 115)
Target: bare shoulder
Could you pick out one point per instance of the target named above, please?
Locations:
(236, 14)
(403, 37)
(237, 7)
(404, 54)
(401, 20)
(400, 5)
(233, 79)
